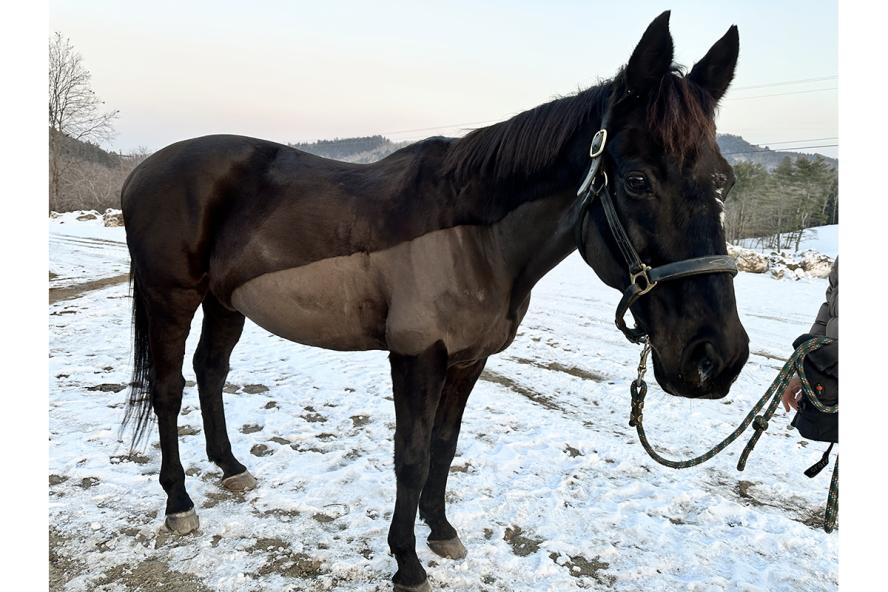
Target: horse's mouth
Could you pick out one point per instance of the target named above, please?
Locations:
(696, 393)
(693, 387)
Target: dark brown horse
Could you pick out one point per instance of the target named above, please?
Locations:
(429, 254)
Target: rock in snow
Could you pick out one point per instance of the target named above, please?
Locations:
(807, 264)
(112, 218)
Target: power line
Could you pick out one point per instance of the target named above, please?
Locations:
(765, 85)
(793, 149)
(796, 92)
(788, 82)
(424, 129)
(796, 141)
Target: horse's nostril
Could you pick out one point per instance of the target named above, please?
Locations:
(707, 362)
(705, 368)
(706, 365)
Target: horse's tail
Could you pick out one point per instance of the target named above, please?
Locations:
(138, 406)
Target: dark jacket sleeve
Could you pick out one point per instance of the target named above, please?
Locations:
(827, 321)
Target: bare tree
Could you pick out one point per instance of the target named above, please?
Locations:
(74, 109)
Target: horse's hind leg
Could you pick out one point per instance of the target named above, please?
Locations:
(221, 331)
(169, 315)
(416, 382)
(443, 539)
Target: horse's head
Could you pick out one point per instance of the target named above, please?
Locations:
(667, 180)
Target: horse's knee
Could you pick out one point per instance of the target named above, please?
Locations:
(412, 473)
(210, 370)
(166, 398)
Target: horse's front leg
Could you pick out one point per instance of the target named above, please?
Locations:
(417, 382)
(443, 539)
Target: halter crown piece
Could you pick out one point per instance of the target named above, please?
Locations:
(642, 277)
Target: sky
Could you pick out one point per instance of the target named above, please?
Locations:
(301, 71)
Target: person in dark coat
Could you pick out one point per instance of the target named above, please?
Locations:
(826, 324)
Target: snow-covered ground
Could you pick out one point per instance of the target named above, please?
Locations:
(84, 250)
(549, 490)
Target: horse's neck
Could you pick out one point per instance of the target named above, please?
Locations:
(533, 239)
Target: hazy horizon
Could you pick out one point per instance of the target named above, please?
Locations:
(290, 72)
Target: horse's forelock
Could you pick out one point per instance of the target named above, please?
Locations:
(681, 115)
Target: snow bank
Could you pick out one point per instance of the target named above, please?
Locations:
(780, 265)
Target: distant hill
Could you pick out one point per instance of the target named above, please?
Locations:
(361, 150)
(735, 149)
(372, 148)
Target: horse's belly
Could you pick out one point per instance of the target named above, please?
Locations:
(333, 303)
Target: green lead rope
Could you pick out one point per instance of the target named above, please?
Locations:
(771, 398)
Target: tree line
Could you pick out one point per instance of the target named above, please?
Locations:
(778, 205)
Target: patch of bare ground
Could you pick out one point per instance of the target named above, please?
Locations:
(558, 367)
(283, 561)
(810, 517)
(106, 388)
(214, 498)
(62, 568)
(464, 468)
(260, 450)
(151, 575)
(522, 545)
(312, 416)
(69, 292)
(505, 381)
(253, 389)
(360, 420)
(133, 457)
(571, 451)
(578, 566)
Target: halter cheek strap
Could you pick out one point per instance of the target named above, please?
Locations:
(642, 277)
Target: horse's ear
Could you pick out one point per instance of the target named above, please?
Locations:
(716, 70)
(652, 57)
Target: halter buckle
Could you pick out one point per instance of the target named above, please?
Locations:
(598, 140)
(648, 282)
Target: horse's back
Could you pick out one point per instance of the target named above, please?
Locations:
(228, 208)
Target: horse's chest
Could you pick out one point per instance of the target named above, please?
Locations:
(438, 287)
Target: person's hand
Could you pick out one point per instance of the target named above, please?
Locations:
(790, 394)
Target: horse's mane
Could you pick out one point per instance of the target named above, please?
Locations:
(680, 114)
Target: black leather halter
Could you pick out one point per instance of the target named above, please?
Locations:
(642, 277)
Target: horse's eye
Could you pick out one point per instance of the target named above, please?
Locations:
(637, 184)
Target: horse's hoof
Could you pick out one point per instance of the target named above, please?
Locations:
(240, 482)
(449, 548)
(424, 587)
(183, 522)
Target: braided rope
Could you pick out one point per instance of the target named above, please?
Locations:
(772, 397)
(832, 500)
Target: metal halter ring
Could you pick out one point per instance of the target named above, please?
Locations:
(597, 190)
(648, 282)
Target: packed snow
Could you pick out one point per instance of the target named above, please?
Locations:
(549, 490)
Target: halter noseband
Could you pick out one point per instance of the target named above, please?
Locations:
(642, 277)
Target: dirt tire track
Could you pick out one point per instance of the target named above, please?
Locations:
(68, 292)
